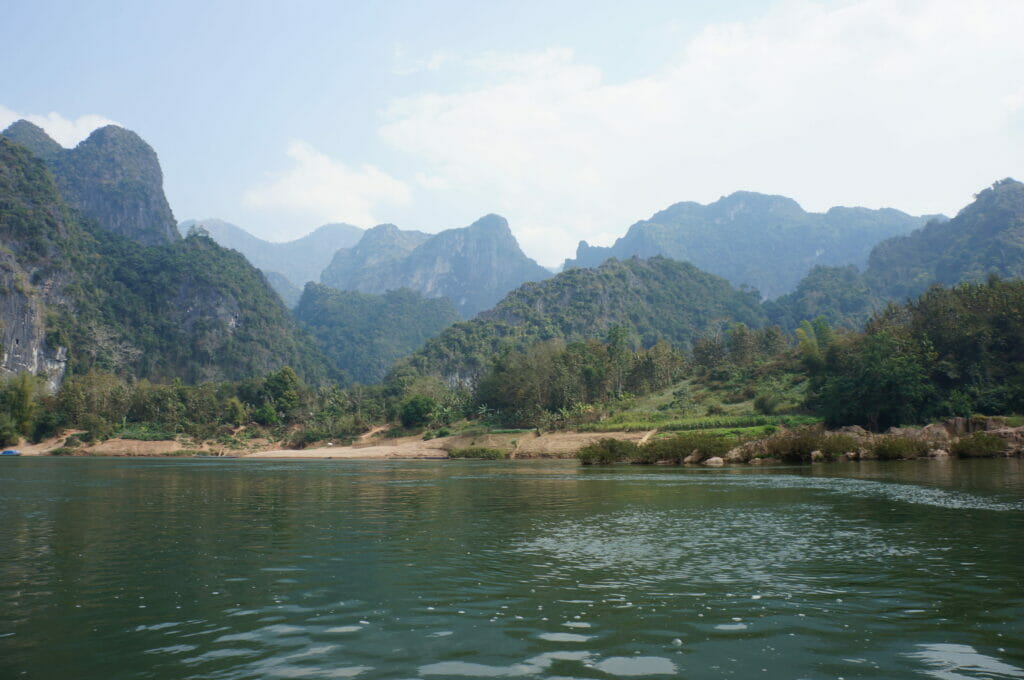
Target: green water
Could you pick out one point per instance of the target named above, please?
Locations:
(129, 568)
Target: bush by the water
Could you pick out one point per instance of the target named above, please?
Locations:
(899, 448)
(668, 450)
(478, 453)
(979, 445)
(607, 451)
(796, 446)
(676, 449)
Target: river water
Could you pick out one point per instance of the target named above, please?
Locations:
(131, 568)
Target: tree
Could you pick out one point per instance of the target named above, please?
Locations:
(417, 411)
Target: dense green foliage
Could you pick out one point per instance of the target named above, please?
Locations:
(552, 382)
(985, 238)
(840, 295)
(189, 309)
(979, 445)
(364, 334)
(952, 352)
(653, 300)
(767, 242)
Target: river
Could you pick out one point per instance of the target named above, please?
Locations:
(135, 568)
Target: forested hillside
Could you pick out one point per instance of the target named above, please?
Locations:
(985, 238)
(78, 296)
(653, 300)
(364, 334)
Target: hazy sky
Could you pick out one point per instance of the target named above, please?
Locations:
(573, 119)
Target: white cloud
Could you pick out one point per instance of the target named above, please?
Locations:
(324, 189)
(67, 132)
(874, 102)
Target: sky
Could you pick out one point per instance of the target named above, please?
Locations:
(571, 118)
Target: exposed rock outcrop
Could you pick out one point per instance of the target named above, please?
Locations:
(113, 177)
(474, 266)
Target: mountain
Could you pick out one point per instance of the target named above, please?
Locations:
(299, 261)
(285, 289)
(364, 334)
(39, 240)
(474, 266)
(985, 238)
(372, 263)
(767, 242)
(839, 294)
(655, 299)
(112, 177)
(75, 296)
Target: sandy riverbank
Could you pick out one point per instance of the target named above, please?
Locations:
(553, 445)
(520, 445)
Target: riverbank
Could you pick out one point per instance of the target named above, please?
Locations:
(514, 445)
(960, 437)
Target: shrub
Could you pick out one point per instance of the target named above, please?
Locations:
(979, 445)
(767, 404)
(417, 410)
(796, 445)
(607, 451)
(835, 445)
(62, 451)
(96, 427)
(677, 448)
(9, 435)
(478, 453)
(899, 448)
(144, 433)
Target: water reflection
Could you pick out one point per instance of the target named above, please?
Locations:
(238, 569)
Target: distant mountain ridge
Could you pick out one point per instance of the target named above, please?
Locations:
(112, 177)
(758, 240)
(299, 261)
(985, 238)
(473, 266)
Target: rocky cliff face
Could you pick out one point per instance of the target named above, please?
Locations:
(75, 297)
(34, 233)
(113, 178)
(767, 242)
(474, 266)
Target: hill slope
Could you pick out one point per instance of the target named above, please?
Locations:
(655, 299)
(767, 242)
(985, 238)
(364, 334)
(474, 266)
